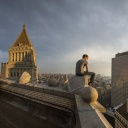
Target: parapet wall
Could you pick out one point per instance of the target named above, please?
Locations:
(4, 64)
(50, 107)
(49, 90)
(46, 107)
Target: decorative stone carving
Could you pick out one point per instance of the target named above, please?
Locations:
(55, 83)
(25, 78)
(60, 83)
(52, 82)
(89, 94)
(78, 85)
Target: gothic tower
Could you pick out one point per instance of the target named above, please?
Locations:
(22, 57)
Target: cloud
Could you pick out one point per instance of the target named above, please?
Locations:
(3, 56)
(63, 30)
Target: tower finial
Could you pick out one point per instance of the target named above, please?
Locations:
(24, 26)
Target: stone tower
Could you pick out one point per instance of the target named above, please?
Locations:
(22, 57)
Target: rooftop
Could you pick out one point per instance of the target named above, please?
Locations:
(121, 54)
(57, 101)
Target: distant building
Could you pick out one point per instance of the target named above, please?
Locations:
(119, 92)
(121, 116)
(22, 57)
(104, 95)
(98, 77)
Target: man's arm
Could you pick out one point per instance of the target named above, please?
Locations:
(86, 68)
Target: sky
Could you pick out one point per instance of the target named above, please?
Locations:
(61, 31)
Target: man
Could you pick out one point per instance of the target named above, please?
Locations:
(80, 68)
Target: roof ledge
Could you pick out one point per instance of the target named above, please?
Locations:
(96, 105)
(90, 115)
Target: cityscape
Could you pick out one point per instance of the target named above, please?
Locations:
(39, 85)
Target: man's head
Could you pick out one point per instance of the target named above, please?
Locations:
(85, 57)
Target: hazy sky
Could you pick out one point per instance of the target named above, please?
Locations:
(63, 30)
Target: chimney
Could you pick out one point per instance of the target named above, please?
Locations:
(127, 105)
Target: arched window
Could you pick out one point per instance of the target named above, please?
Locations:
(14, 74)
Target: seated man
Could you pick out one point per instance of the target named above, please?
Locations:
(80, 68)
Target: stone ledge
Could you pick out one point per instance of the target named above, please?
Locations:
(90, 115)
(96, 105)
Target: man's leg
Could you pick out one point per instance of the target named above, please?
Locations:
(92, 74)
(79, 74)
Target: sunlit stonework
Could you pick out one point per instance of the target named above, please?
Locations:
(22, 57)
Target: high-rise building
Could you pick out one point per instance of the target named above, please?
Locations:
(121, 116)
(21, 57)
(119, 92)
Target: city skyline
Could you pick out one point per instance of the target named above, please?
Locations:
(62, 31)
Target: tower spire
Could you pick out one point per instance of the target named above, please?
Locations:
(24, 26)
(23, 38)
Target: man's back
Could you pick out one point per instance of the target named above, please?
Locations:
(80, 66)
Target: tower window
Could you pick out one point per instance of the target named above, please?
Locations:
(11, 73)
(16, 56)
(22, 55)
(17, 74)
(26, 55)
(13, 57)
